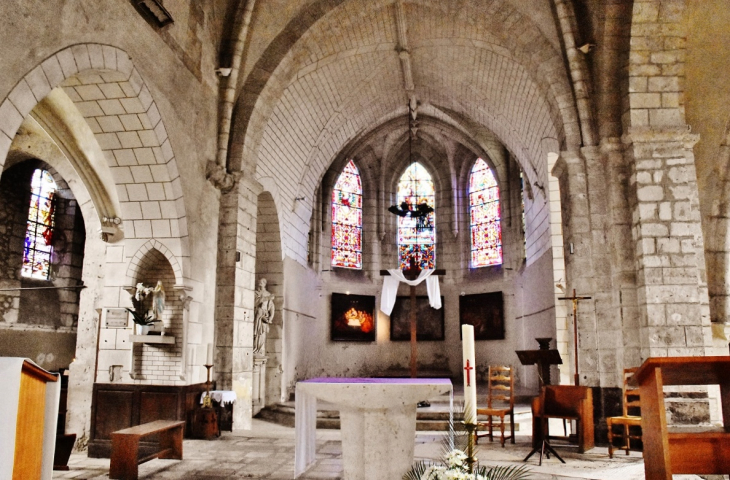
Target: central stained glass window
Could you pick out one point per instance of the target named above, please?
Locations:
(39, 232)
(486, 228)
(417, 239)
(347, 219)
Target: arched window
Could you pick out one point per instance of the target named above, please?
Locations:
(417, 237)
(39, 233)
(486, 229)
(347, 219)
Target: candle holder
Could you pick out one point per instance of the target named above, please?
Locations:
(207, 401)
(471, 429)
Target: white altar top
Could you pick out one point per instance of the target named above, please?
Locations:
(377, 422)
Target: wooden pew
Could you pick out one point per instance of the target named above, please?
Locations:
(125, 446)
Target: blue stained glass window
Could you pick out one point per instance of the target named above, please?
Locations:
(417, 241)
(347, 219)
(39, 232)
(484, 214)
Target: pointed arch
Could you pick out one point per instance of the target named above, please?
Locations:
(417, 237)
(484, 216)
(347, 219)
(136, 263)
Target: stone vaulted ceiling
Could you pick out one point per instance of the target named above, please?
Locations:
(473, 62)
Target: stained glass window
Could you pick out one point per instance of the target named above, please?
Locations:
(486, 229)
(417, 239)
(347, 219)
(39, 233)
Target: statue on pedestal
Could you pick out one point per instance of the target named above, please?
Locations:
(263, 317)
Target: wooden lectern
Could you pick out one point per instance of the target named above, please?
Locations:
(702, 452)
(27, 420)
(543, 358)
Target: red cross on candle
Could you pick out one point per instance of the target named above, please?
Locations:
(468, 373)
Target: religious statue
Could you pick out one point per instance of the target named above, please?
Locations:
(158, 301)
(263, 317)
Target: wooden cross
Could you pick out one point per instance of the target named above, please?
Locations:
(411, 273)
(575, 300)
(468, 373)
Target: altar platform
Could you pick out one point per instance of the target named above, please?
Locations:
(432, 418)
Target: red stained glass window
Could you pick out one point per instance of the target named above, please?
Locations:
(39, 232)
(417, 239)
(486, 228)
(347, 219)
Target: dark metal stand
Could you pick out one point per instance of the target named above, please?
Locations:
(545, 447)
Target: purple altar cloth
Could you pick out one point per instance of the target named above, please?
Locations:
(397, 381)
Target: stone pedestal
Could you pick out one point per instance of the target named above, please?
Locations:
(259, 383)
(378, 422)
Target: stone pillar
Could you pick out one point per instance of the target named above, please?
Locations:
(670, 262)
(570, 169)
(235, 297)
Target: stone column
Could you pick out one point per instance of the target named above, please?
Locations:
(570, 169)
(670, 261)
(235, 297)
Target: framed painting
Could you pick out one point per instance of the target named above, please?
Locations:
(352, 318)
(429, 321)
(486, 312)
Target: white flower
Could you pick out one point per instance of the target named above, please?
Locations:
(455, 458)
(433, 473)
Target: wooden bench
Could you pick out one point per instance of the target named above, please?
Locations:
(125, 446)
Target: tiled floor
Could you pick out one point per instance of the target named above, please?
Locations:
(267, 452)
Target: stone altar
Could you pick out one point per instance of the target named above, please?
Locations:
(378, 422)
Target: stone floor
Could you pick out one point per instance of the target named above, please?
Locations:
(267, 452)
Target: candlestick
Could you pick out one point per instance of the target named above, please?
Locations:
(207, 403)
(470, 384)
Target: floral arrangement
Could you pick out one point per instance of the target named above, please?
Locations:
(455, 465)
(139, 314)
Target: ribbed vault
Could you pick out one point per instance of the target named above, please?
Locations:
(482, 65)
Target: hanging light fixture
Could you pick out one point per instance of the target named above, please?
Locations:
(421, 211)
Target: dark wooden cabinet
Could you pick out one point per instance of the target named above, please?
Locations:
(118, 406)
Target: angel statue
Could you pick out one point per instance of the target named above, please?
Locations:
(263, 316)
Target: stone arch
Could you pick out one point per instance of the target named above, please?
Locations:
(272, 380)
(126, 131)
(285, 65)
(136, 263)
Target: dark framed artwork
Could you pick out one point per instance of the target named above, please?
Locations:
(429, 321)
(486, 312)
(353, 318)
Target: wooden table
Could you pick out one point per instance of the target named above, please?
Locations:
(696, 452)
(125, 446)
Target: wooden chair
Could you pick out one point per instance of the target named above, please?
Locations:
(500, 403)
(631, 404)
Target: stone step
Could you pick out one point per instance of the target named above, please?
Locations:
(433, 418)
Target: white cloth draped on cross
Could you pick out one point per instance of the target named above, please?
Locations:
(390, 288)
